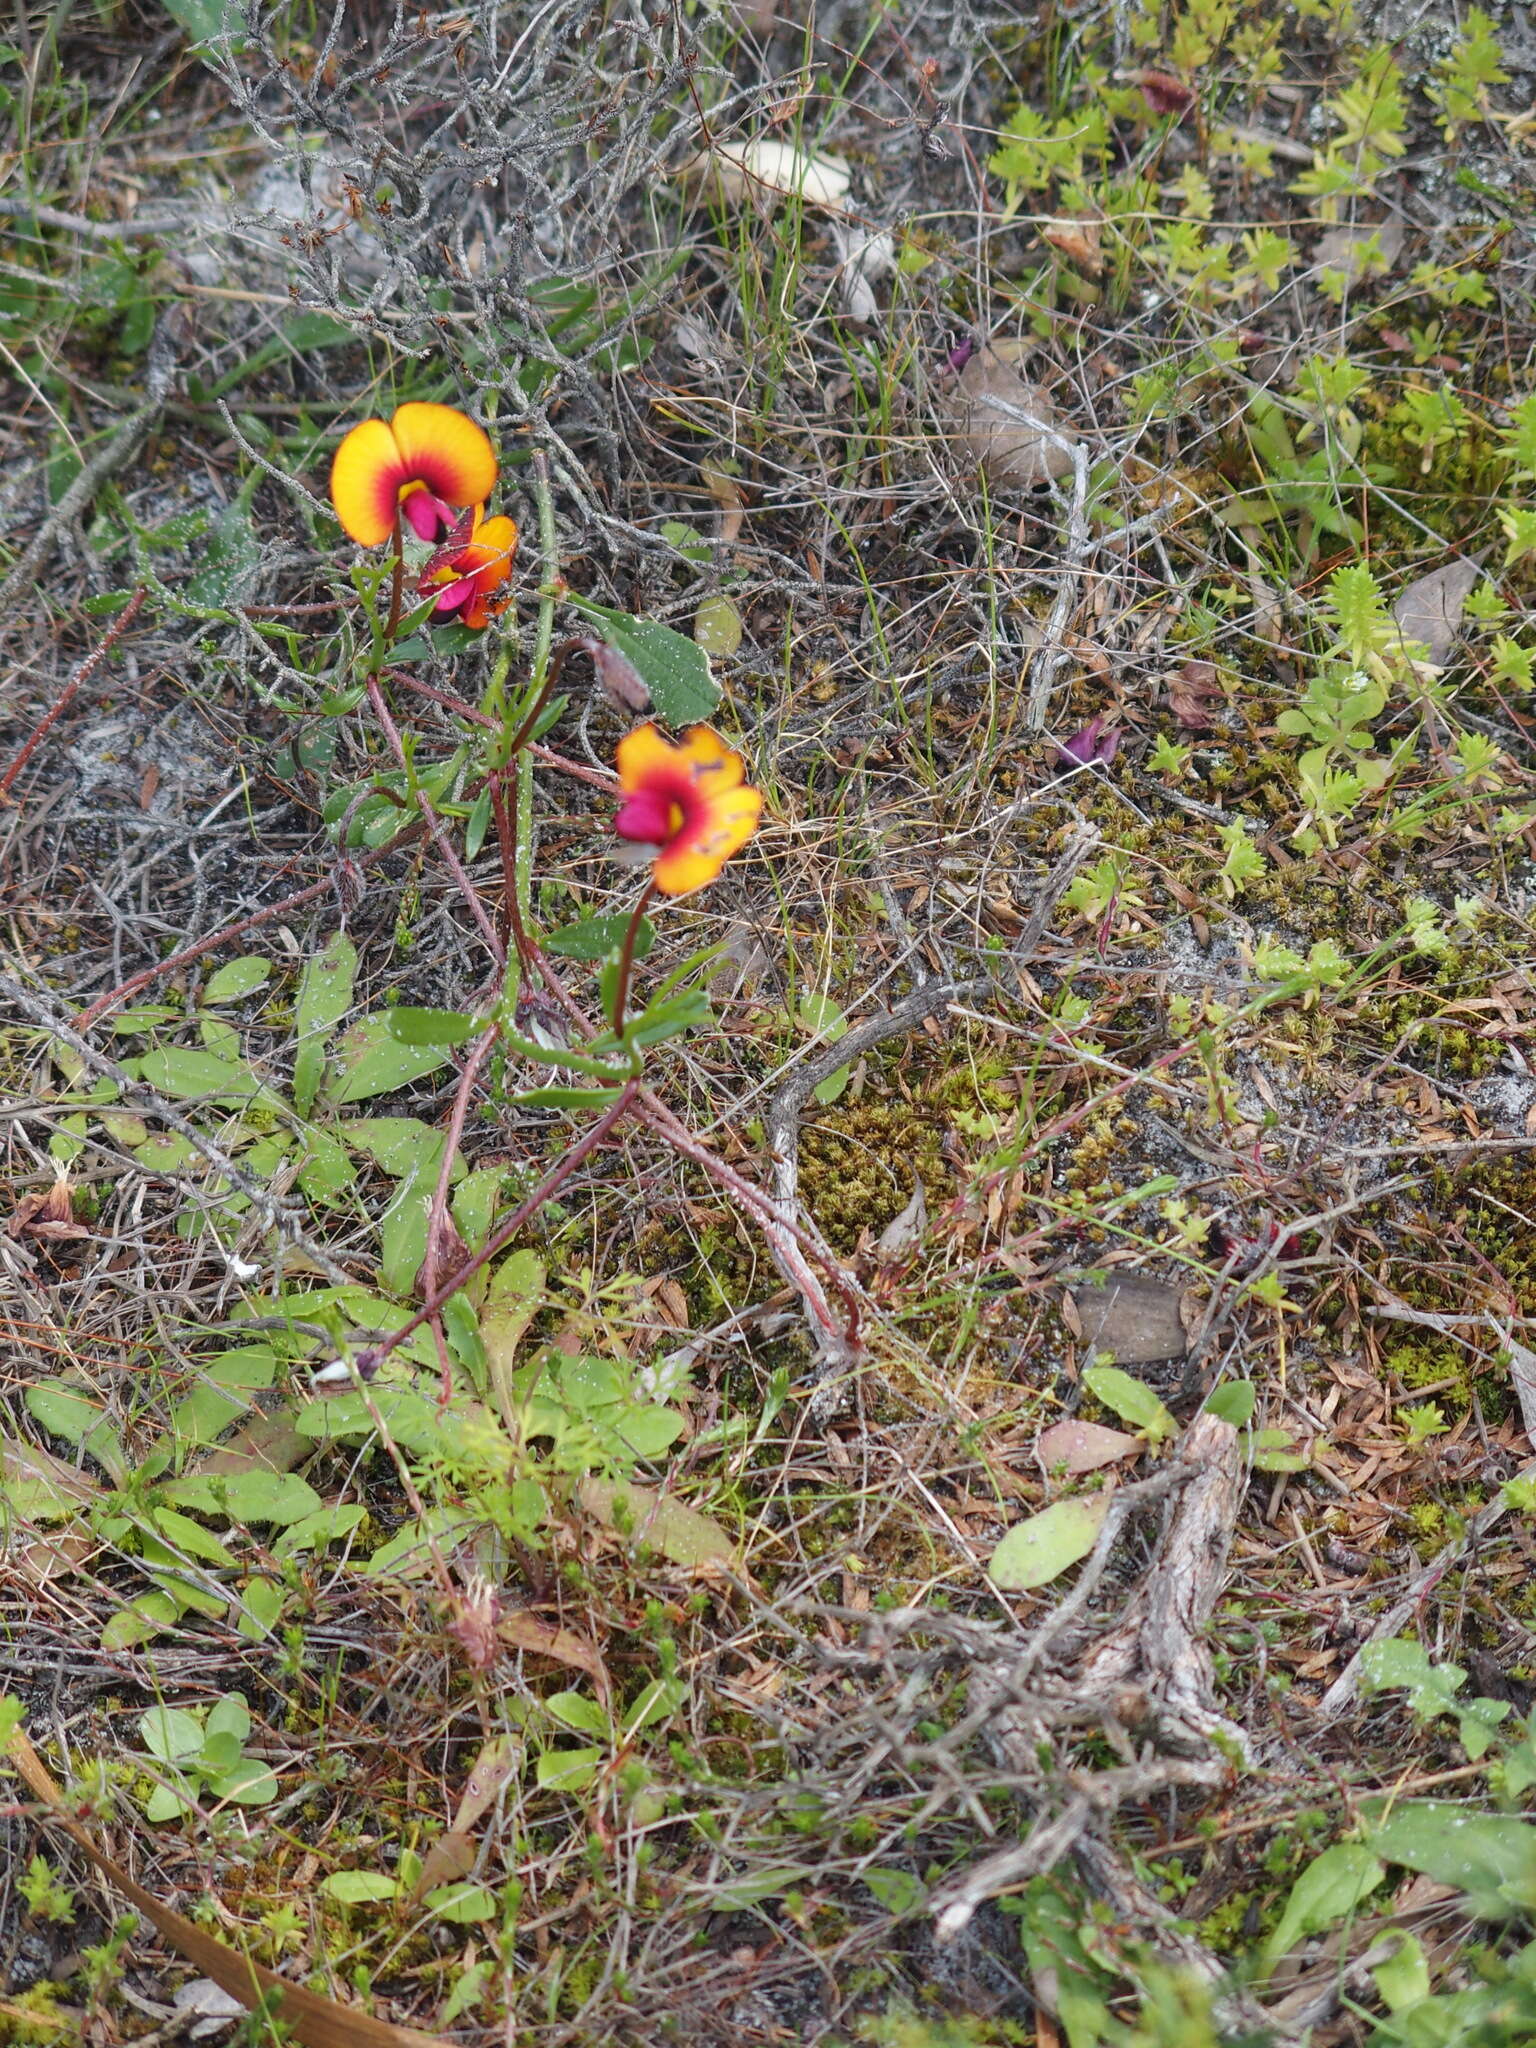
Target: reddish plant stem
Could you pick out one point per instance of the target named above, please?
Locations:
(791, 1241)
(67, 695)
(125, 990)
(627, 956)
(439, 833)
(557, 1176)
(397, 585)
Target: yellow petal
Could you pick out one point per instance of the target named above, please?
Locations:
(444, 449)
(641, 753)
(366, 477)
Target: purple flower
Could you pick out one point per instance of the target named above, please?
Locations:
(961, 354)
(1094, 746)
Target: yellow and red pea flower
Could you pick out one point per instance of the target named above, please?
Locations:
(428, 462)
(691, 802)
(468, 571)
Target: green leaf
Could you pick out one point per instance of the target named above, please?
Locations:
(1403, 1979)
(675, 670)
(1330, 1887)
(1132, 1400)
(463, 1904)
(229, 1715)
(325, 996)
(261, 1608)
(1041, 1548)
(1233, 1402)
(717, 627)
(430, 1027)
(79, 1420)
(1052, 1922)
(1490, 1857)
(237, 978)
(897, 1890)
(371, 1061)
(258, 1495)
(146, 1615)
(400, 1145)
(319, 1531)
(594, 938)
(574, 1710)
(566, 1098)
(567, 1770)
(248, 1783)
(179, 1533)
(657, 1701)
(357, 1887)
(205, 21)
(231, 550)
(171, 1734)
(183, 1071)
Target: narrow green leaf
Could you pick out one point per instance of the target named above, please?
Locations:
(1132, 1400)
(430, 1027)
(594, 938)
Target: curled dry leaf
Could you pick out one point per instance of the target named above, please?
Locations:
(622, 683)
(768, 171)
(48, 1214)
(1006, 426)
(1164, 93)
(315, 2021)
(1429, 610)
(1078, 241)
(904, 1233)
(864, 259)
(1074, 1447)
(726, 491)
(1192, 689)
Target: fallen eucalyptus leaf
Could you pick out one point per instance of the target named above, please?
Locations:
(1004, 425)
(1429, 610)
(770, 170)
(1074, 1447)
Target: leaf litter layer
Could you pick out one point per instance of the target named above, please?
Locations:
(1093, 452)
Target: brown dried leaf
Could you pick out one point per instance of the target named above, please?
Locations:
(1190, 690)
(1004, 425)
(904, 1233)
(1164, 93)
(451, 1857)
(1343, 248)
(1085, 1446)
(1078, 241)
(524, 1631)
(1429, 610)
(491, 1769)
(1135, 1320)
(49, 1213)
(679, 1532)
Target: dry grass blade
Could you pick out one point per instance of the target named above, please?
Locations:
(317, 2022)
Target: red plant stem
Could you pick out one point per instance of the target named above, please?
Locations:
(627, 956)
(67, 695)
(791, 1241)
(369, 857)
(439, 833)
(557, 1176)
(397, 584)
